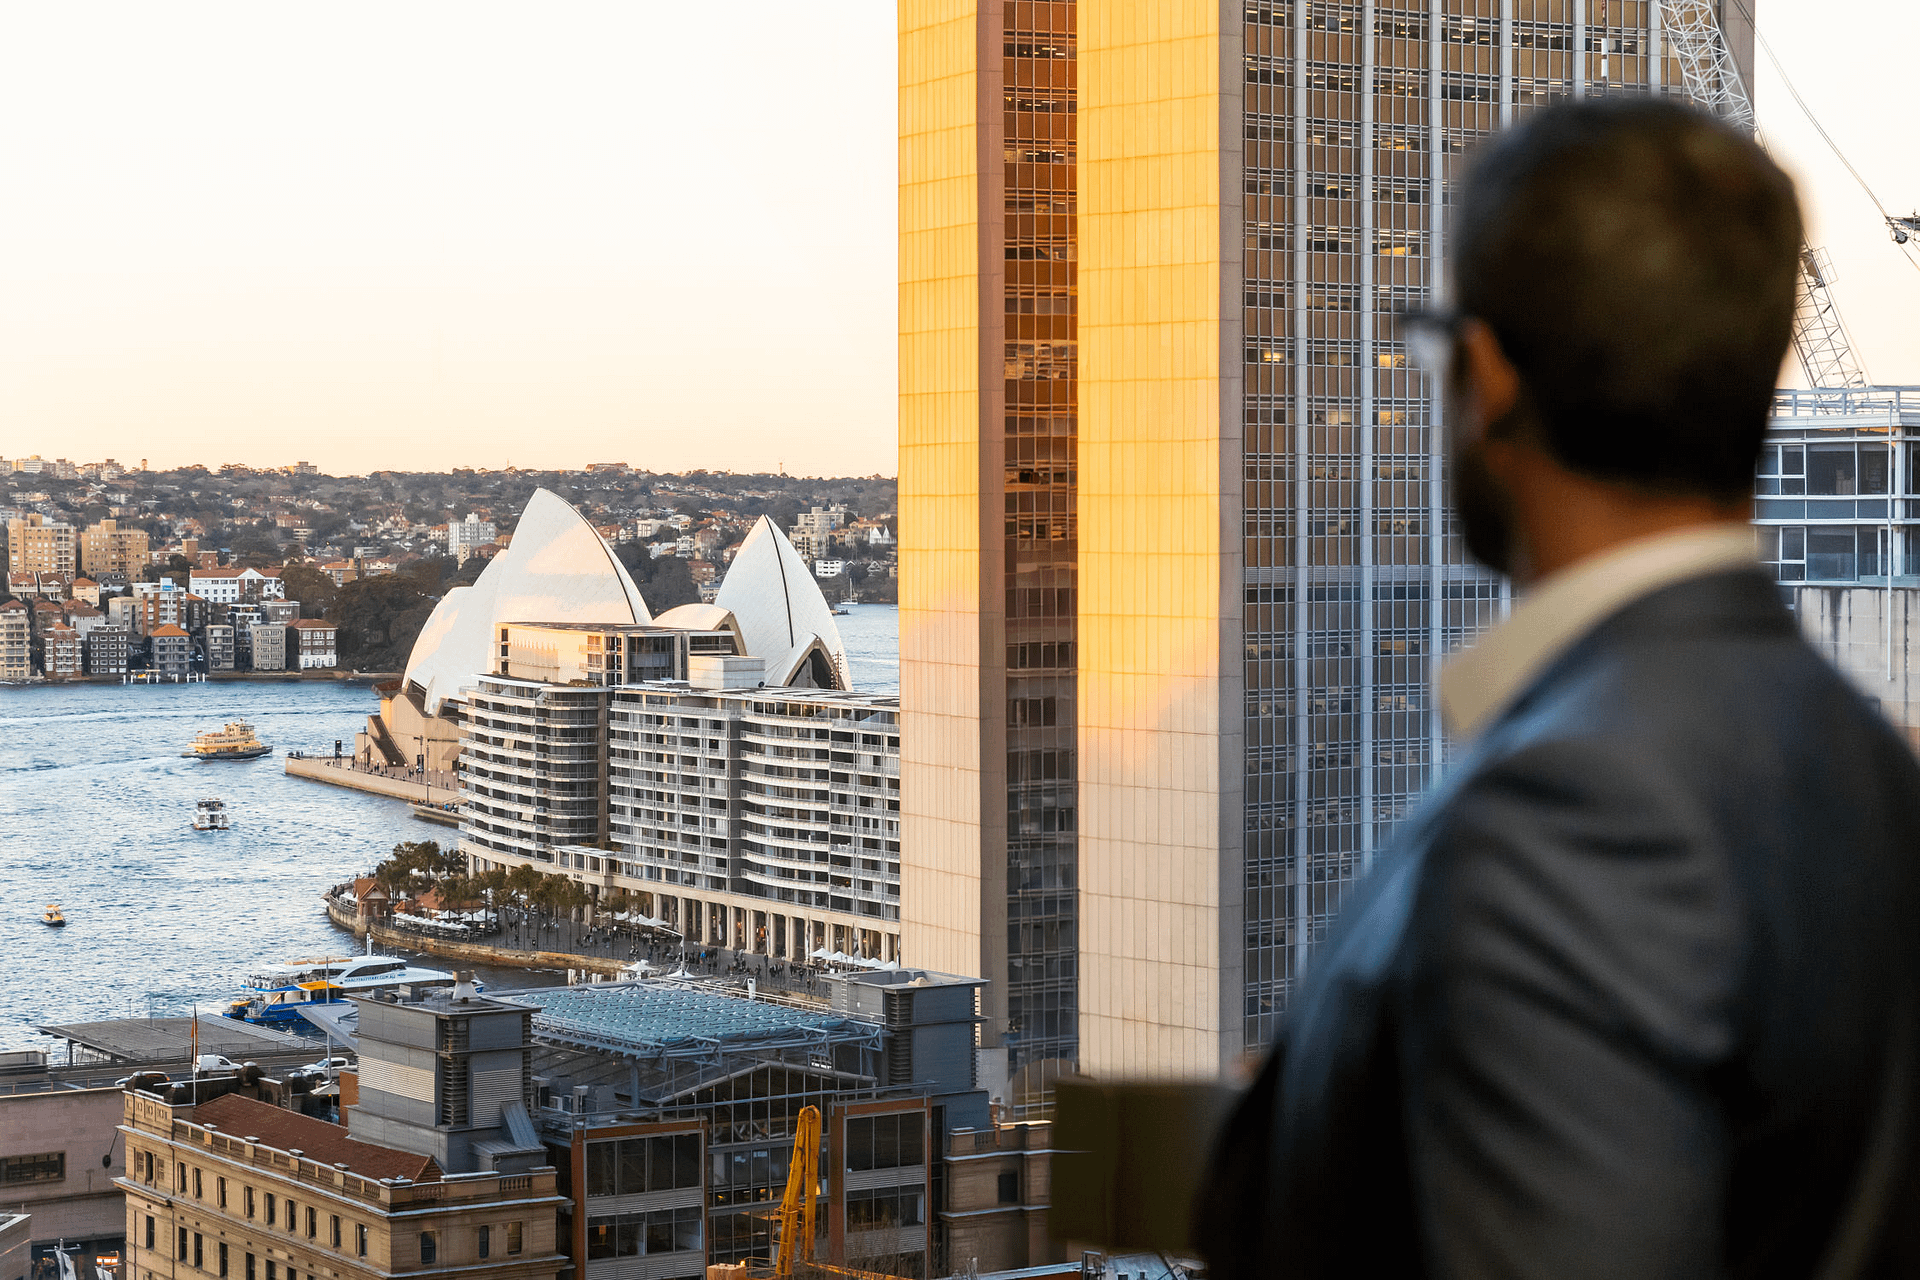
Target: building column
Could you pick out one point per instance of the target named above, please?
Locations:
(1368, 429)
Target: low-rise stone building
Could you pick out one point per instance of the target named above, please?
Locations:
(239, 1189)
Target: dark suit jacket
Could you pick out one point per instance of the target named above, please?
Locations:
(1625, 998)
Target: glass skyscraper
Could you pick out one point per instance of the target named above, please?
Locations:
(1176, 565)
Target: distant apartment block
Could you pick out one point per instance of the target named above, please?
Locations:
(763, 819)
(105, 650)
(40, 586)
(16, 641)
(310, 645)
(159, 604)
(267, 646)
(341, 571)
(107, 548)
(463, 536)
(829, 568)
(60, 657)
(35, 545)
(171, 648)
(236, 586)
(84, 618)
(218, 641)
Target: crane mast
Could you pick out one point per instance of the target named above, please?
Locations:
(1712, 79)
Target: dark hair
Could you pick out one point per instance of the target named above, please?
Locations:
(1638, 261)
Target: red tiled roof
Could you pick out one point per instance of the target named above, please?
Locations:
(284, 1130)
(168, 630)
(311, 624)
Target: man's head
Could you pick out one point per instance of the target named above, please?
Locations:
(1625, 271)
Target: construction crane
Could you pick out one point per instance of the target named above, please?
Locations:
(796, 1206)
(1713, 81)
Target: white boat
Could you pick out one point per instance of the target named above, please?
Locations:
(211, 815)
(279, 992)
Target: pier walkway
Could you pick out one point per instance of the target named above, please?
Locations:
(437, 787)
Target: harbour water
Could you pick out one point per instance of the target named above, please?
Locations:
(96, 806)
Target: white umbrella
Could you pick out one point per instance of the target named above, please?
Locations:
(819, 953)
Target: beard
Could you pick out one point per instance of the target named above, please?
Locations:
(1481, 502)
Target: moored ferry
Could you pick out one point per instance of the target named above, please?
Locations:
(233, 741)
(279, 993)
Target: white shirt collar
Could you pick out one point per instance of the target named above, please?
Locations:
(1476, 684)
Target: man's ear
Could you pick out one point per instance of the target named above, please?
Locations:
(1492, 381)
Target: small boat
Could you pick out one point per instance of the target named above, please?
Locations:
(211, 815)
(52, 916)
(235, 741)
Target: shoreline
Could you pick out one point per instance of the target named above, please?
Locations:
(368, 678)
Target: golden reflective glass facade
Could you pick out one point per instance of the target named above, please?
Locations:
(1159, 506)
(988, 538)
(1261, 566)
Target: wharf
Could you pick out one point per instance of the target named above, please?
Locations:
(395, 784)
(171, 1039)
(385, 935)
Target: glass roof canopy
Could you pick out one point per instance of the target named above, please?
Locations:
(658, 1019)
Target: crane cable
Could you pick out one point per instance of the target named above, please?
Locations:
(1818, 127)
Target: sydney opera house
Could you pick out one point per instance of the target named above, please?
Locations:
(711, 769)
(559, 570)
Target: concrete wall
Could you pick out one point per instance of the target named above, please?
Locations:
(1849, 625)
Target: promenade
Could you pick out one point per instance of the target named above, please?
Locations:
(528, 940)
(436, 787)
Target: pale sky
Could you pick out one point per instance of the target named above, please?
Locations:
(423, 235)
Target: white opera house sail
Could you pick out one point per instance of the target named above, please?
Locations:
(559, 571)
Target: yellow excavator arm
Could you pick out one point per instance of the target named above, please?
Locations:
(796, 1206)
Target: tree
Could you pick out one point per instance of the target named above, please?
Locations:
(376, 621)
(664, 582)
(313, 589)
